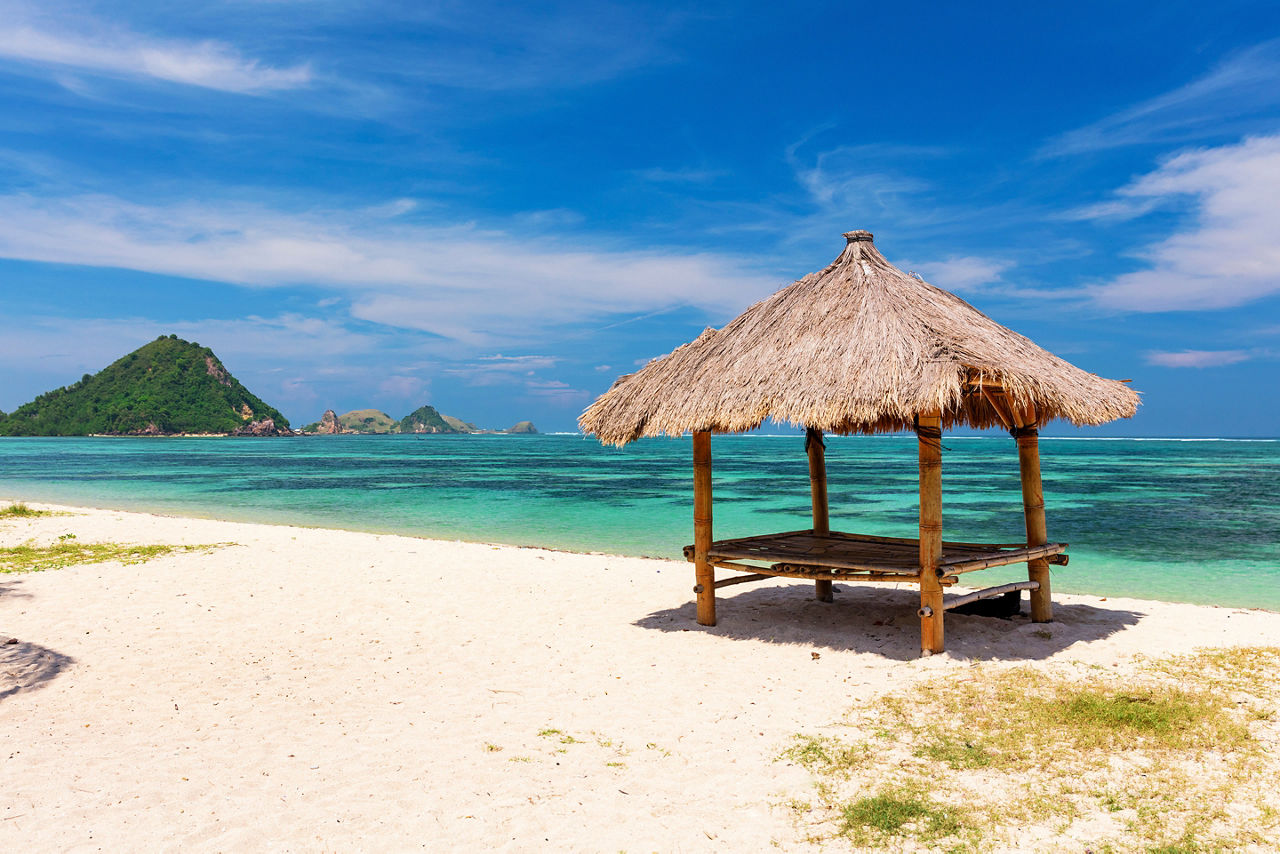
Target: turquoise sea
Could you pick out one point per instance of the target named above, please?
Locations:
(1179, 520)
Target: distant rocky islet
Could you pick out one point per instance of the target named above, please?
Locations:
(423, 420)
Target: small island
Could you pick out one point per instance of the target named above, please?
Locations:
(424, 419)
(165, 388)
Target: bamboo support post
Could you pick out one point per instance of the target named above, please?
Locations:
(813, 443)
(702, 568)
(1028, 439)
(929, 437)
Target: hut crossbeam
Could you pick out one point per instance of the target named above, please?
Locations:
(957, 565)
(809, 572)
(838, 554)
(989, 593)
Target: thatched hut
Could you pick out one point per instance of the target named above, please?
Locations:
(862, 347)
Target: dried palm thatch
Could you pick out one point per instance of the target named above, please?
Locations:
(860, 347)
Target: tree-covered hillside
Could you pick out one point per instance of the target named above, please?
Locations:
(425, 419)
(167, 386)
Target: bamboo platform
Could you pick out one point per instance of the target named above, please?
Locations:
(836, 555)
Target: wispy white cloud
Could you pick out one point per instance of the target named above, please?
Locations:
(684, 175)
(96, 341)
(557, 391)
(960, 272)
(500, 369)
(119, 52)
(862, 178)
(1234, 92)
(1228, 254)
(1197, 358)
(403, 387)
(511, 47)
(515, 363)
(1118, 209)
(478, 287)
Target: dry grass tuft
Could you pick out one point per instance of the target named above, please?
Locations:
(18, 510)
(1179, 755)
(29, 558)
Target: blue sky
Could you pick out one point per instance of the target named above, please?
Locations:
(499, 210)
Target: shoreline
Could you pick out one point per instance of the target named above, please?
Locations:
(312, 688)
(192, 514)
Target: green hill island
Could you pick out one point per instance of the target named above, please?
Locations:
(168, 387)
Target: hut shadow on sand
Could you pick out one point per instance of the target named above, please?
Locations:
(883, 622)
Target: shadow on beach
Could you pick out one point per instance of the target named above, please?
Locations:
(28, 666)
(883, 622)
(9, 589)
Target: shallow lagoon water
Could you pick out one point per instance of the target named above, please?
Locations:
(1178, 520)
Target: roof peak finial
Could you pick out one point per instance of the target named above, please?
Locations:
(855, 236)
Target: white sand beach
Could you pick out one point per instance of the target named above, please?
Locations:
(321, 690)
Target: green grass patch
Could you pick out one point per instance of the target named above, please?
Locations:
(955, 752)
(825, 755)
(18, 510)
(897, 813)
(1164, 714)
(1176, 754)
(65, 553)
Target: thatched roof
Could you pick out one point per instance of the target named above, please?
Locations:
(860, 347)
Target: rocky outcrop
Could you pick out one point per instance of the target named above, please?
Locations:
(525, 427)
(215, 370)
(329, 423)
(265, 427)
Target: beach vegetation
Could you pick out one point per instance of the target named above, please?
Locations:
(826, 755)
(888, 814)
(166, 386)
(18, 510)
(955, 752)
(594, 742)
(1173, 754)
(33, 558)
